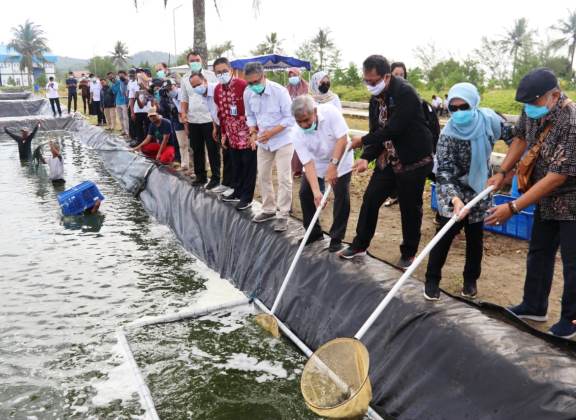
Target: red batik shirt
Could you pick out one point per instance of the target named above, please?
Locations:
(234, 127)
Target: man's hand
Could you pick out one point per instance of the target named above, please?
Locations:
(498, 215)
(497, 181)
(215, 134)
(356, 142)
(253, 140)
(133, 116)
(459, 208)
(158, 157)
(318, 199)
(264, 137)
(331, 174)
(223, 142)
(361, 165)
(186, 129)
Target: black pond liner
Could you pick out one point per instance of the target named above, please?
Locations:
(451, 359)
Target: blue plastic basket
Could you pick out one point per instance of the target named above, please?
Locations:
(519, 225)
(433, 198)
(79, 198)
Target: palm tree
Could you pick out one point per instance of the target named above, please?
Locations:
(28, 40)
(271, 45)
(199, 12)
(568, 30)
(322, 44)
(517, 38)
(120, 54)
(220, 49)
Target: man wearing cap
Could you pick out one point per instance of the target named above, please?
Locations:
(24, 141)
(159, 143)
(549, 119)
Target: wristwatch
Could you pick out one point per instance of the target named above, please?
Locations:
(334, 161)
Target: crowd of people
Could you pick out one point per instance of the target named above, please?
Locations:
(249, 126)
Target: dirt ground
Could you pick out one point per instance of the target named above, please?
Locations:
(504, 264)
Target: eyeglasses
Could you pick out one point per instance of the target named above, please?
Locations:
(454, 108)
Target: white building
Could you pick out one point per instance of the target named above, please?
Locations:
(10, 72)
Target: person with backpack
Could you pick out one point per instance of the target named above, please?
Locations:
(400, 142)
(463, 159)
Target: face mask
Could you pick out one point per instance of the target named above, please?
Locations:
(195, 66)
(376, 90)
(535, 112)
(310, 129)
(122, 78)
(258, 89)
(157, 95)
(93, 79)
(200, 90)
(294, 80)
(224, 78)
(463, 118)
(173, 93)
(324, 87)
(160, 74)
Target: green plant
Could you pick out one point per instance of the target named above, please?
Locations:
(29, 41)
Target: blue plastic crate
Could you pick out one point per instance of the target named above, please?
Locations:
(519, 225)
(433, 198)
(79, 198)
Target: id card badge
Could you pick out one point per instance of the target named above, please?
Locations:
(233, 110)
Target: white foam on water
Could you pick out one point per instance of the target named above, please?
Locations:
(270, 370)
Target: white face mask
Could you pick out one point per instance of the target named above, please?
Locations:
(224, 78)
(376, 90)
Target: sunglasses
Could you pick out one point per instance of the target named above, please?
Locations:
(454, 108)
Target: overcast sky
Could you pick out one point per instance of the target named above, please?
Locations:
(84, 28)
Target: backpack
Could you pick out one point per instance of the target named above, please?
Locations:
(432, 122)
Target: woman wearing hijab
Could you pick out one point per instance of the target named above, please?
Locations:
(463, 155)
(320, 88)
(296, 87)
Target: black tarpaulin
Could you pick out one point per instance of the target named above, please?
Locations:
(20, 108)
(14, 95)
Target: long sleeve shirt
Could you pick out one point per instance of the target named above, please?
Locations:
(268, 110)
(24, 144)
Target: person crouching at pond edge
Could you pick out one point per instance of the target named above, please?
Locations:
(463, 156)
(160, 142)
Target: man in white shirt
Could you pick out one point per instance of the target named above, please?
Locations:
(269, 119)
(95, 89)
(320, 143)
(53, 95)
(196, 115)
(132, 88)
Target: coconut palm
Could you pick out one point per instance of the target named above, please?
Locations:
(271, 45)
(28, 40)
(220, 50)
(322, 45)
(199, 12)
(120, 54)
(517, 38)
(568, 30)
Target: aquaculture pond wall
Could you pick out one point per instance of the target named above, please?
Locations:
(444, 360)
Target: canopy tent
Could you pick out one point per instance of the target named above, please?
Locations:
(271, 62)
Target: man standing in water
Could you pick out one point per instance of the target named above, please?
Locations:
(24, 141)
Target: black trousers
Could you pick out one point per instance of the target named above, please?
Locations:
(131, 125)
(474, 249)
(409, 186)
(340, 211)
(200, 136)
(72, 97)
(245, 167)
(228, 171)
(55, 104)
(141, 126)
(547, 237)
(97, 110)
(85, 103)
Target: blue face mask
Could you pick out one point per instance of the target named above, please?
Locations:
(157, 96)
(310, 129)
(195, 66)
(535, 112)
(160, 74)
(294, 80)
(257, 89)
(200, 90)
(462, 118)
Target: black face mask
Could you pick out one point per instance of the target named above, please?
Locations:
(122, 78)
(324, 87)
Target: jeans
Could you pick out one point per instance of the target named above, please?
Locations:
(547, 237)
(73, 97)
(245, 167)
(283, 158)
(409, 186)
(340, 210)
(474, 250)
(55, 104)
(200, 136)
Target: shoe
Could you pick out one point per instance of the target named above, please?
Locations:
(469, 290)
(390, 201)
(404, 263)
(313, 238)
(212, 184)
(243, 205)
(335, 245)
(281, 224)
(431, 292)
(231, 198)
(522, 312)
(350, 253)
(263, 217)
(228, 194)
(198, 183)
(564, 329)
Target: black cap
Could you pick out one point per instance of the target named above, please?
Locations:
(535, 84)
(132, 71)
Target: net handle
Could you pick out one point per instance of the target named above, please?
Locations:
(388, 298)
(306, 236)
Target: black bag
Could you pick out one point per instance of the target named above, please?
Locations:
(432, 122)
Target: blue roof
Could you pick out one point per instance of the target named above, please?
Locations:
(8, 54)
(271, 62)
